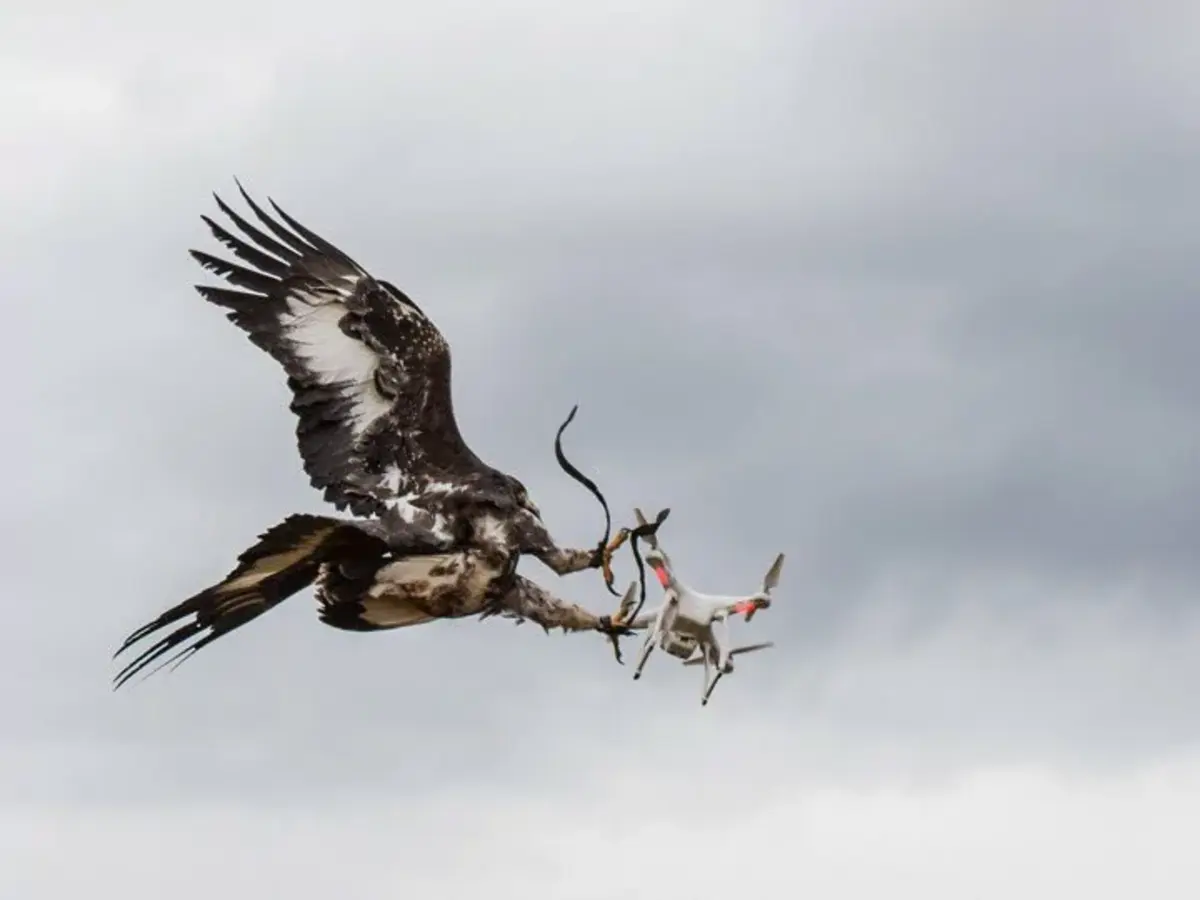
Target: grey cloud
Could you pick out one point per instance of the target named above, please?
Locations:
(908, 297)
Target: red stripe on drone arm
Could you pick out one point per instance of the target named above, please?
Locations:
(661, 573)
(743, 607)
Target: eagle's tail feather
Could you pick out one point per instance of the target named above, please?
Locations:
(285, 560)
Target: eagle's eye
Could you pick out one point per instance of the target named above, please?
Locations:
(522, 497)
(526, 503)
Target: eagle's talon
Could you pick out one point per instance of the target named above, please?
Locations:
(612, 628)
(614, 631)
(602, 559)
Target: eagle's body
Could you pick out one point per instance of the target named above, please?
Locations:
(436, 532)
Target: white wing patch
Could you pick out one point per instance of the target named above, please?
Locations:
(412, 514)
(294, 292)
(334, 357)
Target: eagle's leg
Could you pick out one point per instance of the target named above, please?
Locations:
(527, 600)
(564, 561)
(535, 540)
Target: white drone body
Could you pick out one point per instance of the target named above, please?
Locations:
(692, 626)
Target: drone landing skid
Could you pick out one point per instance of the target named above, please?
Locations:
(713, 673)
(709, 689)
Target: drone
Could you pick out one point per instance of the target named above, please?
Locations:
(691, 626)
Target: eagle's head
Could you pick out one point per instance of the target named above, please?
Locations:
(507, 491)
(521, 496)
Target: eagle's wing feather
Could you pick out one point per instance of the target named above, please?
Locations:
(284, 560)
(369, 371)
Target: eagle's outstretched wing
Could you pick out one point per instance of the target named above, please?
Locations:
(370, 373)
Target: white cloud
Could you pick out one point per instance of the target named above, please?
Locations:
(995, 833)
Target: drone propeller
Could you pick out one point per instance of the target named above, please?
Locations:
(749, 648)
(770, 582)
(628, 602)
(651, 538)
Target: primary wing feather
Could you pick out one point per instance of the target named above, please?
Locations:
(368, 370)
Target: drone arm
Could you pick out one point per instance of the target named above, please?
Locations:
(645, 620)
(726, 606)
(724, 601)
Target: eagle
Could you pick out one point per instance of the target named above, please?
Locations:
(428, 530)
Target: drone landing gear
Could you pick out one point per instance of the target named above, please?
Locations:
(713, 670)
(709, 689)
(653, 636)
(647, 648)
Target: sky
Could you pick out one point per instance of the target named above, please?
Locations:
(906, 290)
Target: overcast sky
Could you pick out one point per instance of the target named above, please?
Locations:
(907, 290)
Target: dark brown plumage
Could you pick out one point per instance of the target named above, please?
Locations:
(437, 532)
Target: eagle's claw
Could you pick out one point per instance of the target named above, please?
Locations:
(611, 628)
(602, 558)
(614, 631)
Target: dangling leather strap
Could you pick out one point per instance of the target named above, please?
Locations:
(587, 483)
